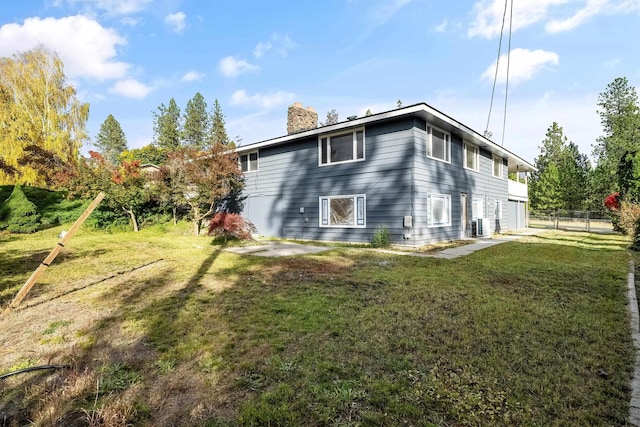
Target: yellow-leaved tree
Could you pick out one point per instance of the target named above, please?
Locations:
(42, 123)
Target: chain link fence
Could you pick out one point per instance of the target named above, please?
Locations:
(572, 220)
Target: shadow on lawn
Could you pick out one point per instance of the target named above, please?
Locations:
(112, 375)
(587, 240)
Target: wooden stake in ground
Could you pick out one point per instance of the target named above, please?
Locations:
(53, 254)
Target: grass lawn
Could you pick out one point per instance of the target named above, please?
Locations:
(164, 328)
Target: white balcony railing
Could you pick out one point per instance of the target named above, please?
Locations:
(518, 191)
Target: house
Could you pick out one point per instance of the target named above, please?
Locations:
(416, 171)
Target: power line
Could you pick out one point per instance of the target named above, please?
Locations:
(495, 77)
(506, 90)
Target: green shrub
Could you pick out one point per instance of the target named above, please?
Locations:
(380, 238)
(18, 214)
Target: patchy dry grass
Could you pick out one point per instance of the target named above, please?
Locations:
(532, 332)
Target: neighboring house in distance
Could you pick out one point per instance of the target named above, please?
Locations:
(416, 171)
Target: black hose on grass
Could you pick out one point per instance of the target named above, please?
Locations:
(34, 368)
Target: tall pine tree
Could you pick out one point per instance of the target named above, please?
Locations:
(561, 175)
(111, 140)
(167, 126)
(620, 118)
(196, 123)
(218, 133)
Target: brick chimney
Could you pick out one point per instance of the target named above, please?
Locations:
(300, 118)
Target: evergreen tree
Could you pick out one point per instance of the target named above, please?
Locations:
(111, 140)
(568, 177)
(620, 118)
(196, 123)
(549, 192)
(218, 131)
(166, 126)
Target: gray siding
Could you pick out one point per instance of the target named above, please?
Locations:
(292, 176)
(437, 177)
(396, 177)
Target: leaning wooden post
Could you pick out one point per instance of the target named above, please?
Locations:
(53, 254)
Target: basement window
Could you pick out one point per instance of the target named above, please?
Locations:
(343, 211)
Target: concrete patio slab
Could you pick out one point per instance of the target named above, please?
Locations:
(278, 249)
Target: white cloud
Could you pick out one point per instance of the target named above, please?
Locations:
(131, 22)
(280, 43)
(90, 56)
(524, 65)
(593, 7)
(441, 27)
(113, 7)
(283, 43)
(176, 21)
(487, 15)
(384, 10)
(192, 76)
(264, 101)
(130, 88)
(261, 48)
(231, 66)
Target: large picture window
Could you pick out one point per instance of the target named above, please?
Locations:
(343, 211)
(439, 210)
(249, 162)
(342, 147)
(439, 144)
(471, 157)
(497, 167)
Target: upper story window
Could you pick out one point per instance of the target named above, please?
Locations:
(342, 147)
(439, 144)
(497, 167)
(471, 157)
(249, 162)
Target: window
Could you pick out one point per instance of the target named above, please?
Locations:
(342, 147)
(438, 210)
(439, 145)
(471, 154)
(249, 162)
(477, 208)
(497, 167)
(343, 211)
(498, 212)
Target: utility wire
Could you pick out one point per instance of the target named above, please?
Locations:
(506, 90)
(495, 77)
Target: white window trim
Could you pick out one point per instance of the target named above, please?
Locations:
(482, 208)
(354, 142)
(465, 150)
(429, 143)
(447, 197)
(248, 154)
(493, 167)
(357, 218)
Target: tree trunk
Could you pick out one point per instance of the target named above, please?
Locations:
(197, 223)
(175, 216)
(134, 221)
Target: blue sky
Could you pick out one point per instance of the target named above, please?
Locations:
(126, 57)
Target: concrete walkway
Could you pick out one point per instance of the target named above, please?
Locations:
(278, 249)
(481, 243)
